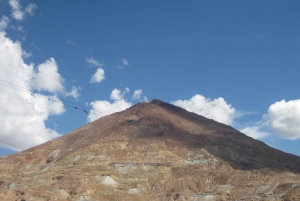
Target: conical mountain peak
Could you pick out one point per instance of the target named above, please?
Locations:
(151, 151)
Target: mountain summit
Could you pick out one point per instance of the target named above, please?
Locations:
(151, 151)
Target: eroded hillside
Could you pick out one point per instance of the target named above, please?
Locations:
(151, 151)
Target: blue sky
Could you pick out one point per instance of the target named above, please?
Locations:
(233, 61)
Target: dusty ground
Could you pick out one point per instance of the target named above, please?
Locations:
(152, 151)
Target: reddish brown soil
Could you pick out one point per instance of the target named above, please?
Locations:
(151, 151)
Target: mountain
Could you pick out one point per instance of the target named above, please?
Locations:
(151, 151)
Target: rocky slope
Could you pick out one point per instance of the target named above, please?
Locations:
(151, 151)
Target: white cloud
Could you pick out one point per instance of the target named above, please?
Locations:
(102, 107)
(283, 118)
(23, 116)
(98, 76)
(26, 54)
(30, 9)
(74, 92)
(47, 77)
(70, 42)
(18, 28)
(3, 23)
(123, 63)
(137, 95)
(254, 132)
(18, 13)
(117, 95)
(37, 48)
(16, 9)
(216, 109)
(93, 62)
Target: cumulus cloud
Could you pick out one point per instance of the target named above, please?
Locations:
(3, 23)
(123, 63)
(18, 13)
(102, 108)
(216, 109)
(47, 77)
(254, 132)
(117, 95)
(283, 118)
(23, 112)
(74, 92)
(98, 76)
(93, 62)
(16, 9)
(137, 95)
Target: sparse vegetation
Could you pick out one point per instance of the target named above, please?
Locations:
(173, 165)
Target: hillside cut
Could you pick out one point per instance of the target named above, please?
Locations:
(151, 151)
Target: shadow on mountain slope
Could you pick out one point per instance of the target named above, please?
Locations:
(228, 144)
